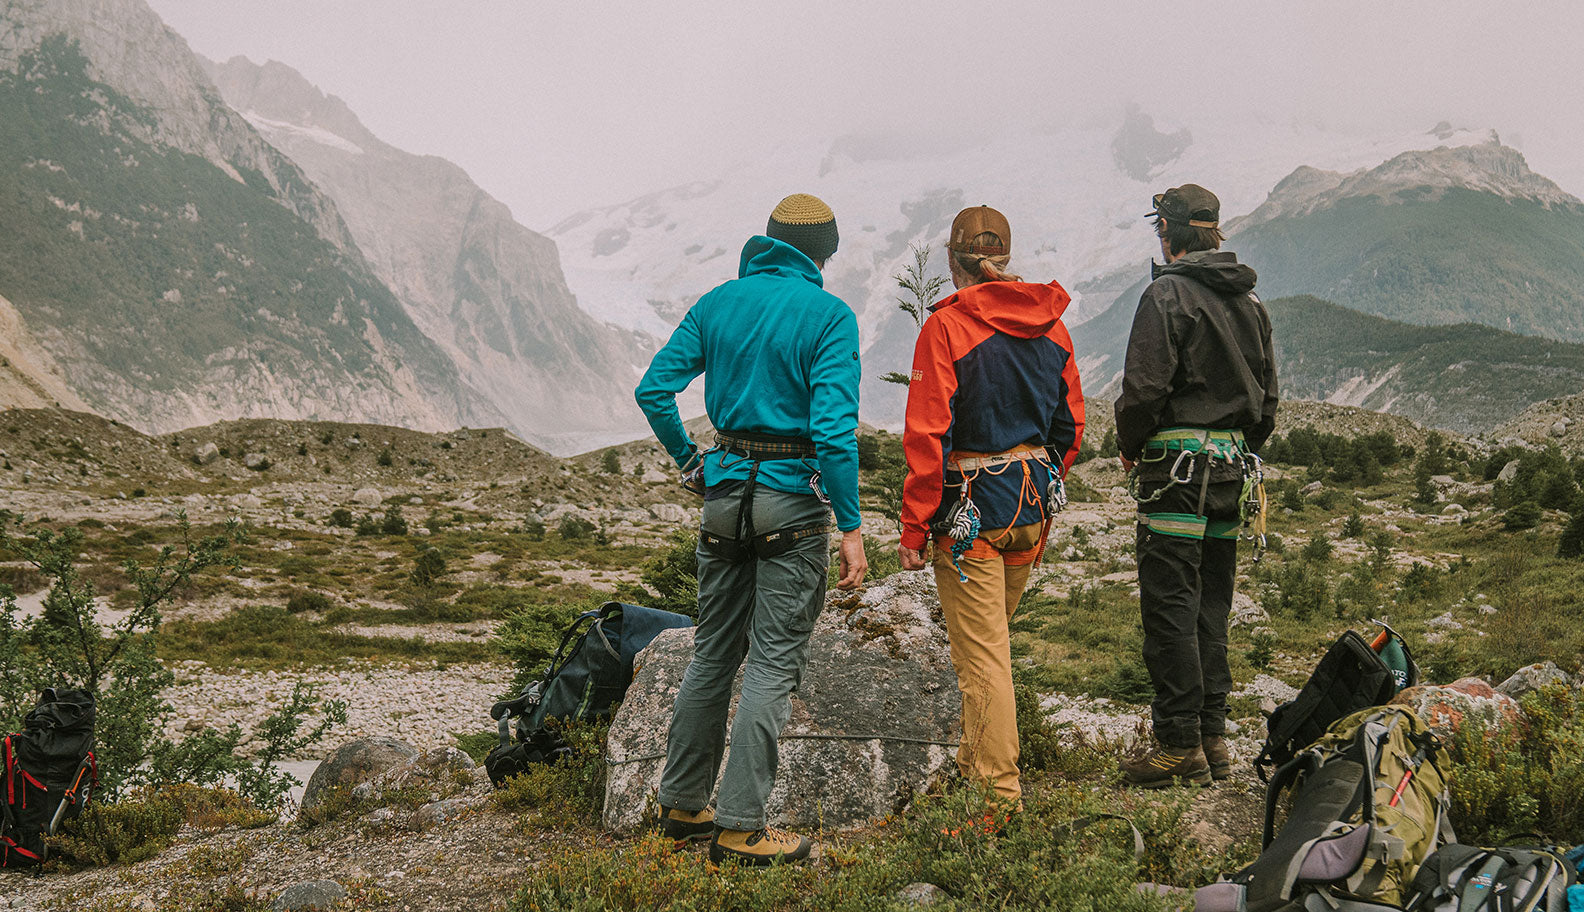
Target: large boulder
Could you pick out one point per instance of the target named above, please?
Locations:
(1448, 708)
(355, 763)
(875, 722)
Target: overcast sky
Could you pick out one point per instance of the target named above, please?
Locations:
(556, 107)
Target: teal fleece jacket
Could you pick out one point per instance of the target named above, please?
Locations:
(780, 356)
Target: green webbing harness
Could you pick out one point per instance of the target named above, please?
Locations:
(1184, 446)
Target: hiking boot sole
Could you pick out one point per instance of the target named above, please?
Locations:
(1219, 773)
(718, 854)
(1204, 778)
(682, 833)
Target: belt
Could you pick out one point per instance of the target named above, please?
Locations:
(968, 462)
(764, 447)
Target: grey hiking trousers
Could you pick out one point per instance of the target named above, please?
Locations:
(763, 609)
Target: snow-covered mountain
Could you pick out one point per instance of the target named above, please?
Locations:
(1075, 197)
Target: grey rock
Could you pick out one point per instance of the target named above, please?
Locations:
(1246, 611)
(354, 763)
(445, 759)
(1508, 472)
(309, 895)
(380, 815)
(255, 461)
(654, 476)
(1312, 488)
(922, 894)
(415, 500)
(1559, 429)
(1444, 621)
(206, 454)
(438, 812)
(671, 513)
(1454, 509)
(1443, 481)
(879, 676)
(247, 501)
(368, 497)
(1533, 677)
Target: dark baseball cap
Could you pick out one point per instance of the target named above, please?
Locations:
(1191, 203)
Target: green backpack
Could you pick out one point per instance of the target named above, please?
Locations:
(1369, 805)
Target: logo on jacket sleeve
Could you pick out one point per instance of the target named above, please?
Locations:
(917, 376)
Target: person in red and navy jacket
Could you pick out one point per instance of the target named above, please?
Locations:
(995, 416)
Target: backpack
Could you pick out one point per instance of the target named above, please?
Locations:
(581, 683)
(1353, 675)
(1369, 805)
(50, 774)
(1460, 878)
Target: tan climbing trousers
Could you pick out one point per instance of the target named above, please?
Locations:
(977, 616)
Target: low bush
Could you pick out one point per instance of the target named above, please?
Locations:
(1525, 785)
(568, 793)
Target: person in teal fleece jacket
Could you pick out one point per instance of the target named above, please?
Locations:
(780, 359)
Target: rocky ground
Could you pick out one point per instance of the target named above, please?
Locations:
(284, 480)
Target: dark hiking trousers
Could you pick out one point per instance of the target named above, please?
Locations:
(1185, 597)
(763, 609)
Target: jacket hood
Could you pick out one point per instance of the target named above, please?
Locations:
(1020, 309)
(1218, 270)
(768, 256)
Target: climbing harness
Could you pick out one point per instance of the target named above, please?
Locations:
(962, 522)
(1192, 447)
(745, 540)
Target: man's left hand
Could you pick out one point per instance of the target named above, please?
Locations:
(1127, 464)
(911, 559)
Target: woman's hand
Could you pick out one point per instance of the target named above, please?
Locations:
(911, 560)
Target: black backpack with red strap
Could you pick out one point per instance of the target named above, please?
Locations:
(50, 774)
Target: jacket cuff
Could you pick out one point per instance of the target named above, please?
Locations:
(915, 539)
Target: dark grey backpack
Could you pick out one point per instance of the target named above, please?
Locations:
(1461, 878)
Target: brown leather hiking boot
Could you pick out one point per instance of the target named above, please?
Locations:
(1218, 755)
(685, 825)
(1165, 766)
(759, 848)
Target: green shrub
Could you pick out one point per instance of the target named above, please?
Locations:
(574, 528)
(610, 462)
(1353, 526)
(1522, 785)
(569, 792)
(384, 459)
(302, 600)
(1572, 541)
(1525, 515)
(393, 523)
(533, 529)
(1262, 649)
(341, 517)
(672, 573)
(1045, 747)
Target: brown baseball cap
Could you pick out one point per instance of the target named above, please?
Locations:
(977, 220)
(1191, 203)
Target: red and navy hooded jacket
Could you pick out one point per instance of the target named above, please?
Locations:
(993, 368)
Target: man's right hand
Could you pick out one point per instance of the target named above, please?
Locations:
(1127, 464)
(910, 559)
(854, 563)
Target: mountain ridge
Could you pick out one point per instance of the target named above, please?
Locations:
(487, 290)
